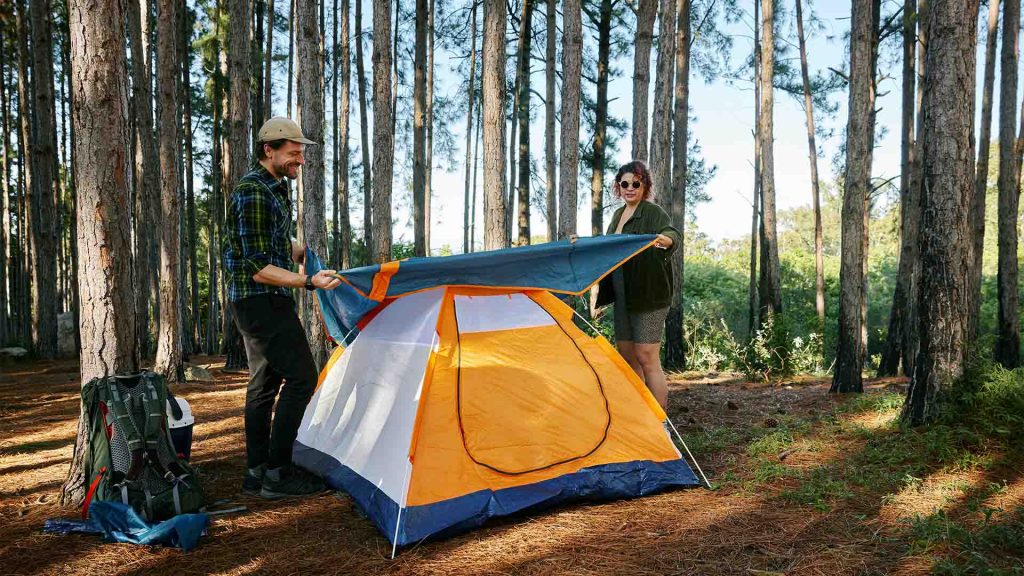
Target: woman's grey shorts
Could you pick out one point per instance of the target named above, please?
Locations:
(640, 327)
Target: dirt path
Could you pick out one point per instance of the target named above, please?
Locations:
(749, 525)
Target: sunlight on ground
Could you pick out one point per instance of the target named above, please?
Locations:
(939, 491)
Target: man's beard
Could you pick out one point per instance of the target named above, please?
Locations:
(282, 170)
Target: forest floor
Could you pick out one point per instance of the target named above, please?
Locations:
(805, 483)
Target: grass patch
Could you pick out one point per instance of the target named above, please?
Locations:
(993, 546)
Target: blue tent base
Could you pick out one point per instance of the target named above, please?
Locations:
(450, 517)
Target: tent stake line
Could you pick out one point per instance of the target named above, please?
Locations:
(687, 448)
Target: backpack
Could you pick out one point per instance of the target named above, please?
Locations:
(130, 457)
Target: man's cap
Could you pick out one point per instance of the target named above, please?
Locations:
(281, 128)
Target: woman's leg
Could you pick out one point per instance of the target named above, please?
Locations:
(628, 351)
(649, 357)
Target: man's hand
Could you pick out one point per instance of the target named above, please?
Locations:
(298, 252)
(326, 280)
(662, 242)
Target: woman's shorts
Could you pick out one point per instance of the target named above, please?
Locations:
(639, 327)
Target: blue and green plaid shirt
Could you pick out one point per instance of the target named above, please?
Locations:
(259, 232)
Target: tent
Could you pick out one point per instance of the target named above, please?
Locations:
(468, 392)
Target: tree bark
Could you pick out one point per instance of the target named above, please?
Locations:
(99, 82)
(476, 164)
(755, 237)
(1007, 350)
(770, 289)
(429, 157)
(675, 351)
(258, 58)
(523, 116)
(343, 149)
(43, 199)
(6, 297)
(494, 123)
(859, 142)
(268, 92)
(312, 205)
(364, 135)
(147, 170)
(335, 236)
(646, 13)
(903, 300)
(26, 175)
(948, 158)
(383, 134)
(419, 132)
(981, 172)
(169, 343)
(190, 198)
(549, 125)
(661, 121)
(572, 56)
(291, 59)
(467, 238)
(215, 213)
(238, 138)
(819, 259)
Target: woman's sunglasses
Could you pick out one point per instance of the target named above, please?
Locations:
(626, 184)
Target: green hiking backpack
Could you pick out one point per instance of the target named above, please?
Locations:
(130, 457)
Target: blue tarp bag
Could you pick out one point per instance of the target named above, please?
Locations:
(120, 523)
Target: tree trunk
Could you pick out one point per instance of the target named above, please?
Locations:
(429, 160)
(513, 148)
(948, 158)
(215, 211)
(523, 115)
(169, 343)
(42, 197)
(661, 121)
(494, 123)
(364, 135)
(343, 149)
(383, 134)
(819, 260)
(312, 206)
(755, 222)
(646, 13)
(147, 170)
(238, 142)
(394, 70)
(549, 125)
(981, 172)
(335, 240)
(604, 26)
(859, 142)
(476, 164)
(902, 300)
(258, 105)
(268, 93)
(467, 238)
(1007, 350)
(190, 197)
(572, 55)
(675, 351)
(419, 132)
(6, 297)
(26, 175)
(770, 289)
(99, 82)
(291, 58)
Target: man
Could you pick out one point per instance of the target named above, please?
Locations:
(258, 255)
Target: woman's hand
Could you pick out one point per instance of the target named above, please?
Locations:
(663, 242)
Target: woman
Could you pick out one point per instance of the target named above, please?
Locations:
(641, 288)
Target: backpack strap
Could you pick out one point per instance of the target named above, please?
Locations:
(155, 413)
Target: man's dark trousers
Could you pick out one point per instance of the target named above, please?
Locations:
(277, 348)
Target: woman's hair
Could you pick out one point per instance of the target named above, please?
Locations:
(639, 170)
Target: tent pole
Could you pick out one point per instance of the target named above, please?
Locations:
(687, 448)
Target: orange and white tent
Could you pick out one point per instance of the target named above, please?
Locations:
(456, 403)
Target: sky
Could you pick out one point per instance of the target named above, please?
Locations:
(723, 126)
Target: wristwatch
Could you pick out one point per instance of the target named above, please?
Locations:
(309, 283)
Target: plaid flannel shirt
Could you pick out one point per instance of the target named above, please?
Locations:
(259, 231)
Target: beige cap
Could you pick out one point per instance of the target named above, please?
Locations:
(281, 128)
